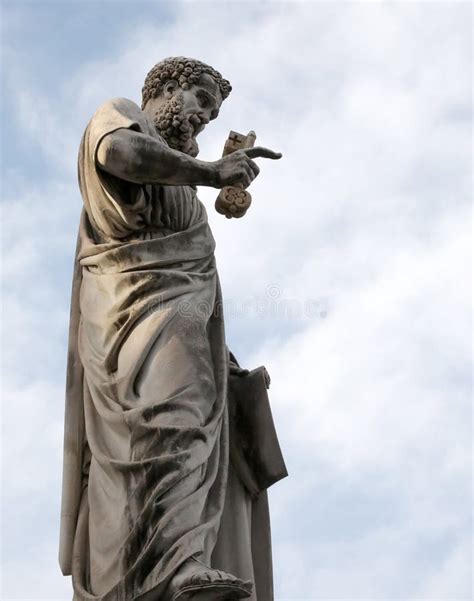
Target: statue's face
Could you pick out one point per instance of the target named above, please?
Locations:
(181, 115)
(202, 102)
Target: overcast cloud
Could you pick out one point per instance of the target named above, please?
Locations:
(349, 278)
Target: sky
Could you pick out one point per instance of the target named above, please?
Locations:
(349, 277)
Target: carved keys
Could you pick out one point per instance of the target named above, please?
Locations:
(234, 201)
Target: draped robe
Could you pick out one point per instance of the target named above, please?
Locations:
(147, 481)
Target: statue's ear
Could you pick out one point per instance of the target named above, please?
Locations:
(169, 89)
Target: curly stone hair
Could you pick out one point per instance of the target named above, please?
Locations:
(185, 71)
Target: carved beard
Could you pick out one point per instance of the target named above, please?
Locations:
(175, 127)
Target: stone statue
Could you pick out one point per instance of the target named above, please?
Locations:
(169, 444)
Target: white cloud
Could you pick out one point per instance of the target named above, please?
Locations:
(366, 211)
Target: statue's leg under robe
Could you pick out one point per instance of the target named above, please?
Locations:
(159, 442)
(243, 545)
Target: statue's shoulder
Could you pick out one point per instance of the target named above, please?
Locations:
(115, 114)
(122, 106)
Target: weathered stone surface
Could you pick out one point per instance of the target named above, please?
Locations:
(153, 508)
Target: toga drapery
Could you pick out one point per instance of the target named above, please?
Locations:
(147, 479)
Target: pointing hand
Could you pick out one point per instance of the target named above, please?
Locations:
(238, 168)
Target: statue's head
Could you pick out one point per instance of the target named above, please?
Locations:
(182, 95)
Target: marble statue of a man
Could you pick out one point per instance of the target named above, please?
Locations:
(153, 509)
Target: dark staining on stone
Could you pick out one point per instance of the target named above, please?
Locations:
(121, 320)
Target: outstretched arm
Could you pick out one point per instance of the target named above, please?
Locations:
(141, 159)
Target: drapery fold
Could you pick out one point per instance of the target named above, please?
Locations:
(151, 342)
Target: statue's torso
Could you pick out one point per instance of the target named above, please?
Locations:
(120, 210)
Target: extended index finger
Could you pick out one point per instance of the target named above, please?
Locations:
(260, 151)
